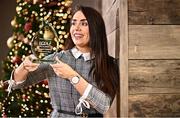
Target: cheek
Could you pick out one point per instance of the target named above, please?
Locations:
(70, 29)
(71, 32)
(87, 35)
(87, 32)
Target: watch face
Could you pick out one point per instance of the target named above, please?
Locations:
(75, 80)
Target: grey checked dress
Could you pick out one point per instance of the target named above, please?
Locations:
(62, 93)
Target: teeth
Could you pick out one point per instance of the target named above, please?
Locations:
(77, 35)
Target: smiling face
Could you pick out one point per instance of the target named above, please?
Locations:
(79, 31)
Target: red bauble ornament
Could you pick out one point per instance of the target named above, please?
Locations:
(16, 60)
(4, 115)
(38, 1)
(25, 97)
(4, 85)
(28, 1)
(27, 26)
(45, 82)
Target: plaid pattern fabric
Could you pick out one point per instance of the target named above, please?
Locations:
(63, 94)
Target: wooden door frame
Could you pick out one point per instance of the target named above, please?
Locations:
(123, 57)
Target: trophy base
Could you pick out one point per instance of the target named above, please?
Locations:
(44, 61)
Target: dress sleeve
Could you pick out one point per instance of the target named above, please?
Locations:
(43, 72)
(99, 100)
(96, 98)
(33, 77)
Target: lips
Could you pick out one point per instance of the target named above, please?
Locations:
(78, 35)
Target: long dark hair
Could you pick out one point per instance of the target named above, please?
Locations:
(105, 69)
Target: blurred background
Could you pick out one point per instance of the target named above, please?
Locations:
(143, 35)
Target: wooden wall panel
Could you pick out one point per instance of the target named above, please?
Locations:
(110, 17)
(113, 42)
(154, 105)
(154, 11)
(154, 76)
(154, 58)
(94, 4)
(123, 57)
(107, 5)
(154, 41)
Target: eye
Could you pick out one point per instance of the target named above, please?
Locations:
(84, 23)
(73, 22)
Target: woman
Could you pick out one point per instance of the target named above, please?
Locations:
(84, 80)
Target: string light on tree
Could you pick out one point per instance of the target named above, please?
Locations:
(29, 15)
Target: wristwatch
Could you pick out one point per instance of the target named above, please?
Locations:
(75, 80)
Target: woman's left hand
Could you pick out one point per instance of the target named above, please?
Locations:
(63, 70)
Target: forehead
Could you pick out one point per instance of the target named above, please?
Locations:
(79, 15)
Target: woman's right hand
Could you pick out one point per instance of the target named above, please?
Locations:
(28, 65)
(24, 68)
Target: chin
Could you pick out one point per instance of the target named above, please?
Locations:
(79, 45)
(76, 42)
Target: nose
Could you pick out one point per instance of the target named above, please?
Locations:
(77, 27)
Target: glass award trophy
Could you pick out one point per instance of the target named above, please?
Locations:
(44, 42)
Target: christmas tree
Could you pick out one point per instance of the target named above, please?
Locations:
(33, 101)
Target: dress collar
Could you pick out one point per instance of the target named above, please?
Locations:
(76, 53)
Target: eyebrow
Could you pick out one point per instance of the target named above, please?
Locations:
(80, 20)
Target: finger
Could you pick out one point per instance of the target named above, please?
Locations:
(31, 67)
(55, 65)
(30, 64)
(27, 59)
(57, 59)
(57, 72)
(25, 67)
(32, 57)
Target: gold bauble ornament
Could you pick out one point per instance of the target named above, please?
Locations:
(48, 34)
(18, 9)
(10, 42)
(13, 22)
(26, 40)
(35, 1)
